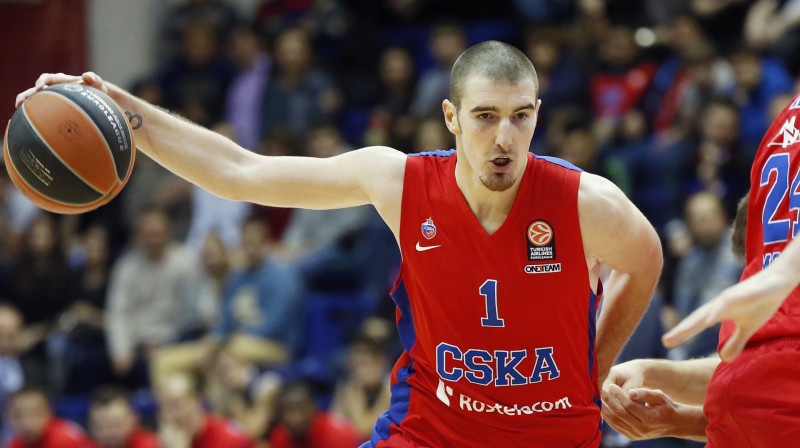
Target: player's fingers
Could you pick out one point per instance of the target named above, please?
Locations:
(734, 346)
(617, 421)
(693, 324)
(93, 80)
(649, 396)
(24, 96)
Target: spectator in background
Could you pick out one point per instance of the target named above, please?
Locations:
(562, 78)
(720, 162)
(83, 360)
(298, 93)
(35, 426)
(41, 285)
(364, 393)
(243, 102)
(390, 122)
(195, 83)
(183, 422)
(219, 14)
(152, 298)
(621, 80)
(431, 135)
(259, 318)
(579, 148)
(11, 376)
(262, 314)
(239, 391)
(759, 79)
(114, 423)
(707, 77)
(773, 26)
(707, 268)
(446, 43)
(16, 214)
(303, 424)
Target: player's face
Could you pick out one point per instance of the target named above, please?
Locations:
(494, 127)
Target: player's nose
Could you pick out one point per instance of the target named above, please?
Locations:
(503, 137)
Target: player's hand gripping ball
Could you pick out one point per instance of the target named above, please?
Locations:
(69, 148)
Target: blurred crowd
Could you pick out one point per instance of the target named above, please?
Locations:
(174, 318)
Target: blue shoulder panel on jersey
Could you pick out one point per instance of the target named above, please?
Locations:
(559, 162)
(437, 153)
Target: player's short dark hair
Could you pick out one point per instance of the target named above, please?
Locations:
(498, 61)
(105, 395)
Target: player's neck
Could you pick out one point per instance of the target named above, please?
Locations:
(491, 208)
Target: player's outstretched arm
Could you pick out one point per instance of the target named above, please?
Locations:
(616, 234)
(749, 304)
(224, 168)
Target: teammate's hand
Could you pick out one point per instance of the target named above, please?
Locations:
(641, 413)
(628, 375)
(749, 304)
(48, 79)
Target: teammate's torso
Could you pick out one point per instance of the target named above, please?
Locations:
(498, 329)
(772, 214)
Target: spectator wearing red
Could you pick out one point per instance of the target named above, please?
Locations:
(302, 425)
(185, 423)
(114, 423)
(35, 426)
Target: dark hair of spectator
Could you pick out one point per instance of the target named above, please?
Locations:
(105, 395)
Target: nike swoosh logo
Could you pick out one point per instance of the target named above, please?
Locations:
(424, 248)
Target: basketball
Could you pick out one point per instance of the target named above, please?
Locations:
(69, 148)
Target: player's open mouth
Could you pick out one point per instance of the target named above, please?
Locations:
(501, 162)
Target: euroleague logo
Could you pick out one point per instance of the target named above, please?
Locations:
(541, 240)
(540, 233)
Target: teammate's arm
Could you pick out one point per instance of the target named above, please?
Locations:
(684, 381)
(749, 304)
(616, 234)
(370, 175)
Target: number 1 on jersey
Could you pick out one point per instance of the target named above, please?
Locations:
(489, 290)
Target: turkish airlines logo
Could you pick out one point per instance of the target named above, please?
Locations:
(541, 241)
(540, 233)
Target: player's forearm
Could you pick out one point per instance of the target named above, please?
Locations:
(627, 298)
(197, 154)
(684, 381)
(688, 423)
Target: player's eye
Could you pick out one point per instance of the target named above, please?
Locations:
(522, 115)
(484, 116)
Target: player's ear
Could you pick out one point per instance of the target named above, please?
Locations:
(450, 116)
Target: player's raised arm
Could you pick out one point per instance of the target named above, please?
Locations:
(228, 170)
(616, 234)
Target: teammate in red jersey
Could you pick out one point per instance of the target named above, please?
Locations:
(36, 427)
(750, 398)
(114, 424)
(184, 422)
(496, 304)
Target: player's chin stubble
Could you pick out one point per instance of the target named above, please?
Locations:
(497, 181)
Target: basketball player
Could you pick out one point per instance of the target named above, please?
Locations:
(751, 396)
(498, 293)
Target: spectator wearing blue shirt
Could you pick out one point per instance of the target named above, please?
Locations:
(262, 314)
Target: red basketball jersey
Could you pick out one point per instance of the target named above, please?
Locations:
(498, 329)
(772, 215)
